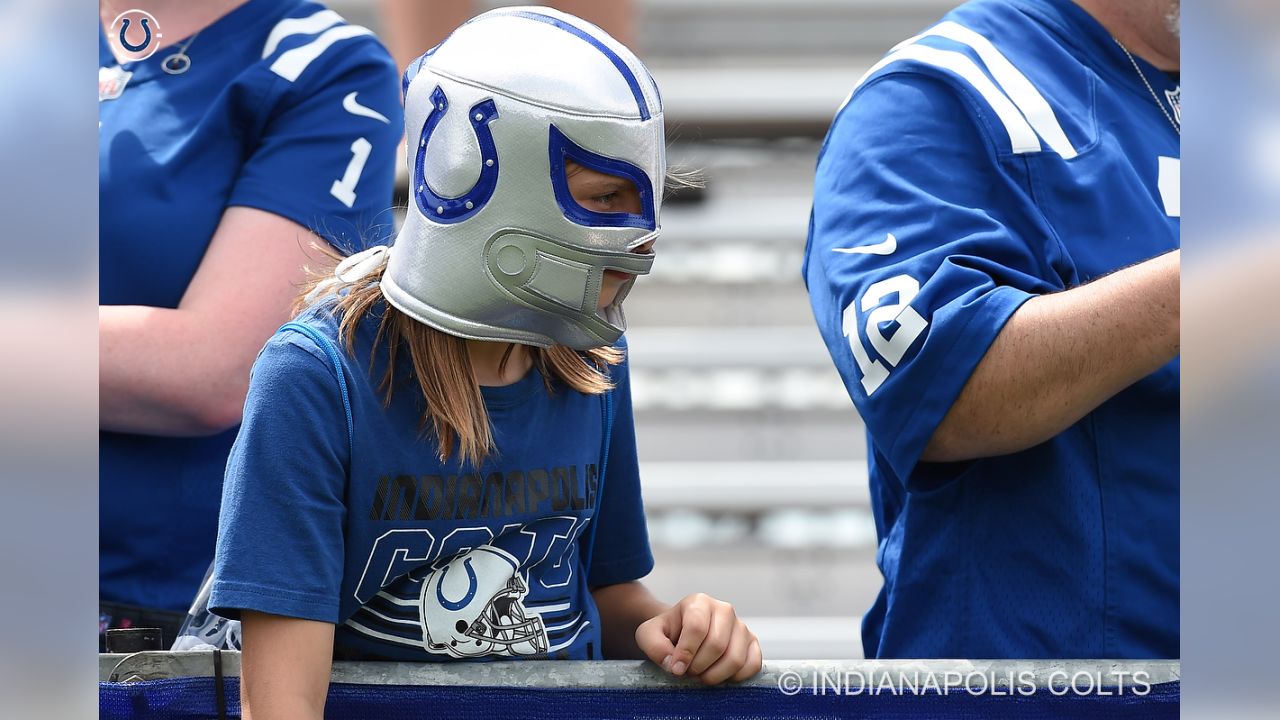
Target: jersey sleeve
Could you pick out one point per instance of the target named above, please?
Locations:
(280, 532)
(923, 241)
(326, 155)
(621, 549)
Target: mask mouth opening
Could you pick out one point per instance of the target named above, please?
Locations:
(612, 312)
(566, 280)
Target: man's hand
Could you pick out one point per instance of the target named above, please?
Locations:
(701, 637)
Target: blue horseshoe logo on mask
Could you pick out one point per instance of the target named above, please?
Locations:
(450, 210)
(146, 40)
(471, 588)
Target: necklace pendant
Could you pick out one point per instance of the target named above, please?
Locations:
(176, 64)
(1174, 97)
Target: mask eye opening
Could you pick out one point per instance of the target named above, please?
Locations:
(561, 149)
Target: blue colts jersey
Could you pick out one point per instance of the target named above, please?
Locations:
(411, 557)
(285, 108)
(1009, 151)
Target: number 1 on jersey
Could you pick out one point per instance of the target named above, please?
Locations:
(345, 188)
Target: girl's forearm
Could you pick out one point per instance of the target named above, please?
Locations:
(622, 608)
(285, 665)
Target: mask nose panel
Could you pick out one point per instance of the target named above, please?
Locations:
(547, 274)
(541, 273)
(559, 280)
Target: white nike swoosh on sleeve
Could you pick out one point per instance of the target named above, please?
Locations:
(350, 105)
(886, 247)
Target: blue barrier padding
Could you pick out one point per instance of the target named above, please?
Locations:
(191, 698)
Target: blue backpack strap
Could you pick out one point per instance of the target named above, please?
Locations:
(332, 351)
(606, 400)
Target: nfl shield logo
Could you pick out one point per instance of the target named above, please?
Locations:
(111, 82)
(1175, 101)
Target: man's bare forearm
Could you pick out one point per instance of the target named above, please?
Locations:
(160, 374)
(1059, 357)
(185, 370)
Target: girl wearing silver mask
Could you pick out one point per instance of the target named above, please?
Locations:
(438, 459)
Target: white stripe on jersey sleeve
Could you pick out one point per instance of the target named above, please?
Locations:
(290, 65)
(1022, 138)
(1020, 90)
(874, 68)
(309, 25)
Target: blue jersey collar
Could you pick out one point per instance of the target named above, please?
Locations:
(1095, 46)
(239, 25)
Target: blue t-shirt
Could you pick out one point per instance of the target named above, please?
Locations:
(1010, 151)
(276, 112)
(412, 558)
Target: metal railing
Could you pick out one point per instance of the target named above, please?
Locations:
(157, 686)
(636, 674)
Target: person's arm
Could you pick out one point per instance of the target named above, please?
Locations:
(1060, 356)
(316, 164)
(699, 637)
(283, 508)
(413, 27)
(930, 255)
(185, 371)
(285, 665)
(623, 607)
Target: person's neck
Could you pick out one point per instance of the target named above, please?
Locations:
(486, 362)
(178, 19)
(1140, 27)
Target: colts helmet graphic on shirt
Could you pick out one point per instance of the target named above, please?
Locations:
(494, 247)
(472, 606)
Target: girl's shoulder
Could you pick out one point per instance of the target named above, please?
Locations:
(310, 329)
(316, 331)
(298, 349)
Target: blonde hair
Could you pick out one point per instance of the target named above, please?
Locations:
(441, 363)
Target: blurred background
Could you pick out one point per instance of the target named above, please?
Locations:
(750, 86)
(753, 461)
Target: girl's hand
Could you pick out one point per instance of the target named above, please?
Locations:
(701, 637)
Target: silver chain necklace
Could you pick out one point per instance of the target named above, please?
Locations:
(1176, 125)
